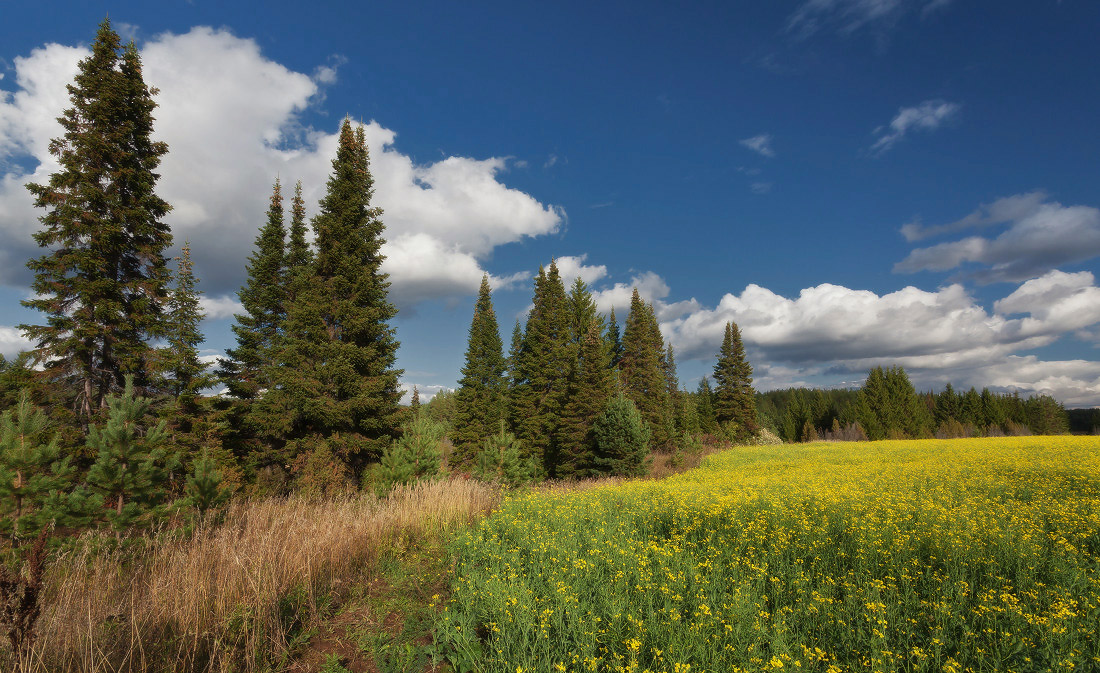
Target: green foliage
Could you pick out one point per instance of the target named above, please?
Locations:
(704, 406)
(336, 376)
(589, 387)
(186, 373)
(417, 454)
(131, 468)
(263, 299)
(103, 282)
(479, 400)
(889, 407)
(537, 395)
(205, 490)
(32, 471)
(734, 399)
(620, 440)
(501, 461)
(644, 376)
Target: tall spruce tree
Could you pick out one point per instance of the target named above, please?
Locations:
(643, 372)
(479, 401)
(538, 394)
(704, 405)
(103, 282)
(735, 399)
(336, 388)
(589, 388)
(185, 373)
(263, 296)
(298, 254)
(614, 340)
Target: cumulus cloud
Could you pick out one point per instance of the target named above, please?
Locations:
(928, 116)
(761, 144)
(829, 333)
(233, 122)
(1039, 237)
(572, 267)
(224, 306)
(12, 342)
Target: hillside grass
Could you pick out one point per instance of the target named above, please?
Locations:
(929, 555)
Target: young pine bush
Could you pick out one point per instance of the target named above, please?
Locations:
(621, 445)
(33, 473)
(204, 486)
(132, 467)
(500, 461)
(416, 455)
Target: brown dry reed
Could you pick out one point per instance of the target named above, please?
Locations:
(232, 596)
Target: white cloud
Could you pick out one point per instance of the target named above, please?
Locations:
(928, 116)
(1039, 237)
(12, 342)
(215, 308)
(232, 120)
(1002, 210)
(572, 267)
(760, 187)
(761, 144)
(426, 391)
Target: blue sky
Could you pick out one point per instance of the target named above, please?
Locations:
(854, 182)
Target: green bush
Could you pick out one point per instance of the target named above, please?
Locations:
(416, 455)
(501, 461)
(621, 437)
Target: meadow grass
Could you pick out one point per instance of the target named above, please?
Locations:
(930, 555)
(242, 594)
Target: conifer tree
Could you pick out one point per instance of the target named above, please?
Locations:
(511, 362)
(103, 282)
(204, 487)
(614, 340)
(735, 399)
(336, 388)
(298, 254)
(131, 468)
(538, 396)
(620, 440)
(704, 405)
(479, 401)
(643, 376)
(187, 375)
(263, 298)
(590, 387)
(31, 469)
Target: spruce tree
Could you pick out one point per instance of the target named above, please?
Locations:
(298, 254)
(735, 399)
(614, 341)
(590, 387)
(538, 396)
(643, 373)
(704, 405)
(186, 373)
(263, 297)
(103, 282)
(336, 388)
(479, 401)
(620, 439)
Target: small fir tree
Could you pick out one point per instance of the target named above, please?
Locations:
(32, 470)
(501, 461)
(416, 455)
(205, 490)
(103, 283)
(131, 471)
(621, 441)
(186, 373)
(479, 400)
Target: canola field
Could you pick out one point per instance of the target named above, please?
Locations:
(929, 555)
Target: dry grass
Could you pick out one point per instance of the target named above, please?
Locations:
(237, 595)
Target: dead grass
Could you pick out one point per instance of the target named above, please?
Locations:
(239, 595)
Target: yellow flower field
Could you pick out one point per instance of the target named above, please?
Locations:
(930, 555)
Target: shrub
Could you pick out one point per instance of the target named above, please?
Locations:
(416, 455)
(501, 461)
(621, 440)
